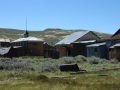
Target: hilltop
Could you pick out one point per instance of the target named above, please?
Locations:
(49, 35)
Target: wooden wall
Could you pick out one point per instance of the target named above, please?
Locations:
(35, 48)
(88, 36)
(115, 53)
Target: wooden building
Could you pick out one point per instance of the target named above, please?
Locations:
(79, 48)
(30, 46)
(50, 52)
(97, 50)
(4, 42)
(66, 47)
(107, 49)
(8, 52)
(114, 52)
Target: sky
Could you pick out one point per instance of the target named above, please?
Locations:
(96, 15)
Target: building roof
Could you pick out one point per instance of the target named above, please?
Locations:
(96, 45)
(115, 36)
(4, 50)
(17, 46)
(4, 40)
(89, 41)
(28, 39)
(116, 45)
(73, 37)
(116, 33)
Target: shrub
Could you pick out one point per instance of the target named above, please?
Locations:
(66, 60)
(15, 63)
(96, 60)
(114, 61)
(80, 59)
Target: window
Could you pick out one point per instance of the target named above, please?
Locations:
(95, 50)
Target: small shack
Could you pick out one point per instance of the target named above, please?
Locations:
(114, 52)
(98, 50)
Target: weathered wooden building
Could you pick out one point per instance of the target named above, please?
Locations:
(4, 42)
(98, 50)
(8, 52)
(50, 52)
(79, 48)
(114, 52)
(68, 47)
(30, 46)
(104, 50)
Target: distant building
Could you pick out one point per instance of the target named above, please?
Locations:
(8, 52)
(106, 48)
(50, 51)
(97, 50)
(114, 52)
(4, 42)
(68, 46)
(30, 46)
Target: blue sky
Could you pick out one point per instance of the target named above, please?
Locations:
(97, 15)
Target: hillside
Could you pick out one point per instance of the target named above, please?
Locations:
(50, 35)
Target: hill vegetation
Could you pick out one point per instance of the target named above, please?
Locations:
(49, 35)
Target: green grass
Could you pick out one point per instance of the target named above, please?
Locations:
(45, 81)
(93, 79)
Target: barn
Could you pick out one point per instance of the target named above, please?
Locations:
(64, 47)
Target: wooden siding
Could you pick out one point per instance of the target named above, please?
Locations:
(115, 53)
(35, 48)
(88, 36)
(5, 44)
(62, 50)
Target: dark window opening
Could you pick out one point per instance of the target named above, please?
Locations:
(95, 50)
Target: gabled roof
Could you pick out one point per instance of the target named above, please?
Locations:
(73, 37)
(4, 40)
(28, 39)
(116, 33)
(115, 36)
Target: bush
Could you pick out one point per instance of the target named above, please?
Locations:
(114, 61)
(15, 63)
(96, 60)
(80, 59)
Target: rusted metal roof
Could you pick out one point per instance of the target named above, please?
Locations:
(4, 40)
